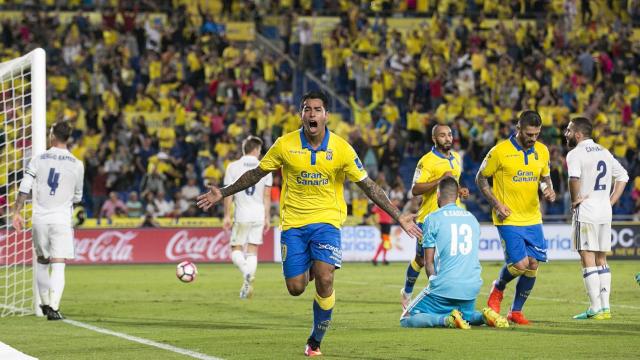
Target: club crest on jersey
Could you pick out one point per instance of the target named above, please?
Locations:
(329, 154)
(535, 155)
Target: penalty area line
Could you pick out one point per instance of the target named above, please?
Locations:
(193, 354)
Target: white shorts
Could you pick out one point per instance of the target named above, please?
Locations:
(591, 237)
(246, 233)
(53, 241)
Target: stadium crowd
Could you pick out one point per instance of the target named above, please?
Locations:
(160, 101)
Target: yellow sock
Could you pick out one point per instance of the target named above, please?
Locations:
(531, 273)
(514, 271)
(328, 302)
(415, 266)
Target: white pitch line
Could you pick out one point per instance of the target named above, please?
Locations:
(9, 353)
(193, 354)
(530, 297)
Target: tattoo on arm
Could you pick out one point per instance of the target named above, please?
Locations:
(547, 180)
(377, 195)
(19, 202)
(485, 189)
(247, 180)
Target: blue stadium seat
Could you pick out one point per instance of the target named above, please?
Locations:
(555, 208)
(270, 32)
(407, 168)
(123, 195)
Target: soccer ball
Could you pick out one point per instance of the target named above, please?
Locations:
(186, 271)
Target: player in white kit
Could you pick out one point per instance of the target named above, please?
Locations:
(591, 168)
(251, 216)
(56, 178)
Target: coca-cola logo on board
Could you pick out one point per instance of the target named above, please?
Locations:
(181, 247)
(109, 246)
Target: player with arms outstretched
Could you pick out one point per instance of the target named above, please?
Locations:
(518, 166)
(591, 168)
(56, 178)
(450, 240)
(314, 164)
(439, 163)
(252, 215)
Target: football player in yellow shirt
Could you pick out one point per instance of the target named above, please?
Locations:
(437, 164)
(314, 164)
(518, 166)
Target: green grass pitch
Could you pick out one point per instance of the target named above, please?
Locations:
(206, 316)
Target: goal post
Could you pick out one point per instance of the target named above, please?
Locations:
(22, 135)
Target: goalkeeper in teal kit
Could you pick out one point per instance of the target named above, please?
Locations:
(450, 242)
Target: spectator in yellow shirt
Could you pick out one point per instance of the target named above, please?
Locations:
(390, 111)
(166, 135)
(416, 124)
(360, 113)
(211, 174)
(223, 146)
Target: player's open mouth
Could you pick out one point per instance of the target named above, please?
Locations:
(313, 124)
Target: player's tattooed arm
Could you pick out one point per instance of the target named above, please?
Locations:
(20, 202)
(245, 181)
(18, 221)
(502, 211)
(485, 189)
(377, 195)
(547, 188)
(547, 180)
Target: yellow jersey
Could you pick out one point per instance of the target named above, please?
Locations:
(312, 180)
(516, 176)
(431, 167)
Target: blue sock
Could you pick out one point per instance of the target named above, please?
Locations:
(413, 271)
(523, 289)
(322, 310)
(504, 278)
(423, 320)
(476, 319)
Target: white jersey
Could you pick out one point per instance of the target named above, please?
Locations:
(58, 182)
(594, 166)
(249, 203)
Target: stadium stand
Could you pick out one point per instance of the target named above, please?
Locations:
(162, 92)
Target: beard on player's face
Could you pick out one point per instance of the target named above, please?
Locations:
(527, 141)
(443, 145)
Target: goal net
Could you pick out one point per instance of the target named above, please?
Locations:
(22, 134)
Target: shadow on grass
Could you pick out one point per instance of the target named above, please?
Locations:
(261, 319)
(372, 301)
(351, 356)
(383, 353)
(181, 324)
